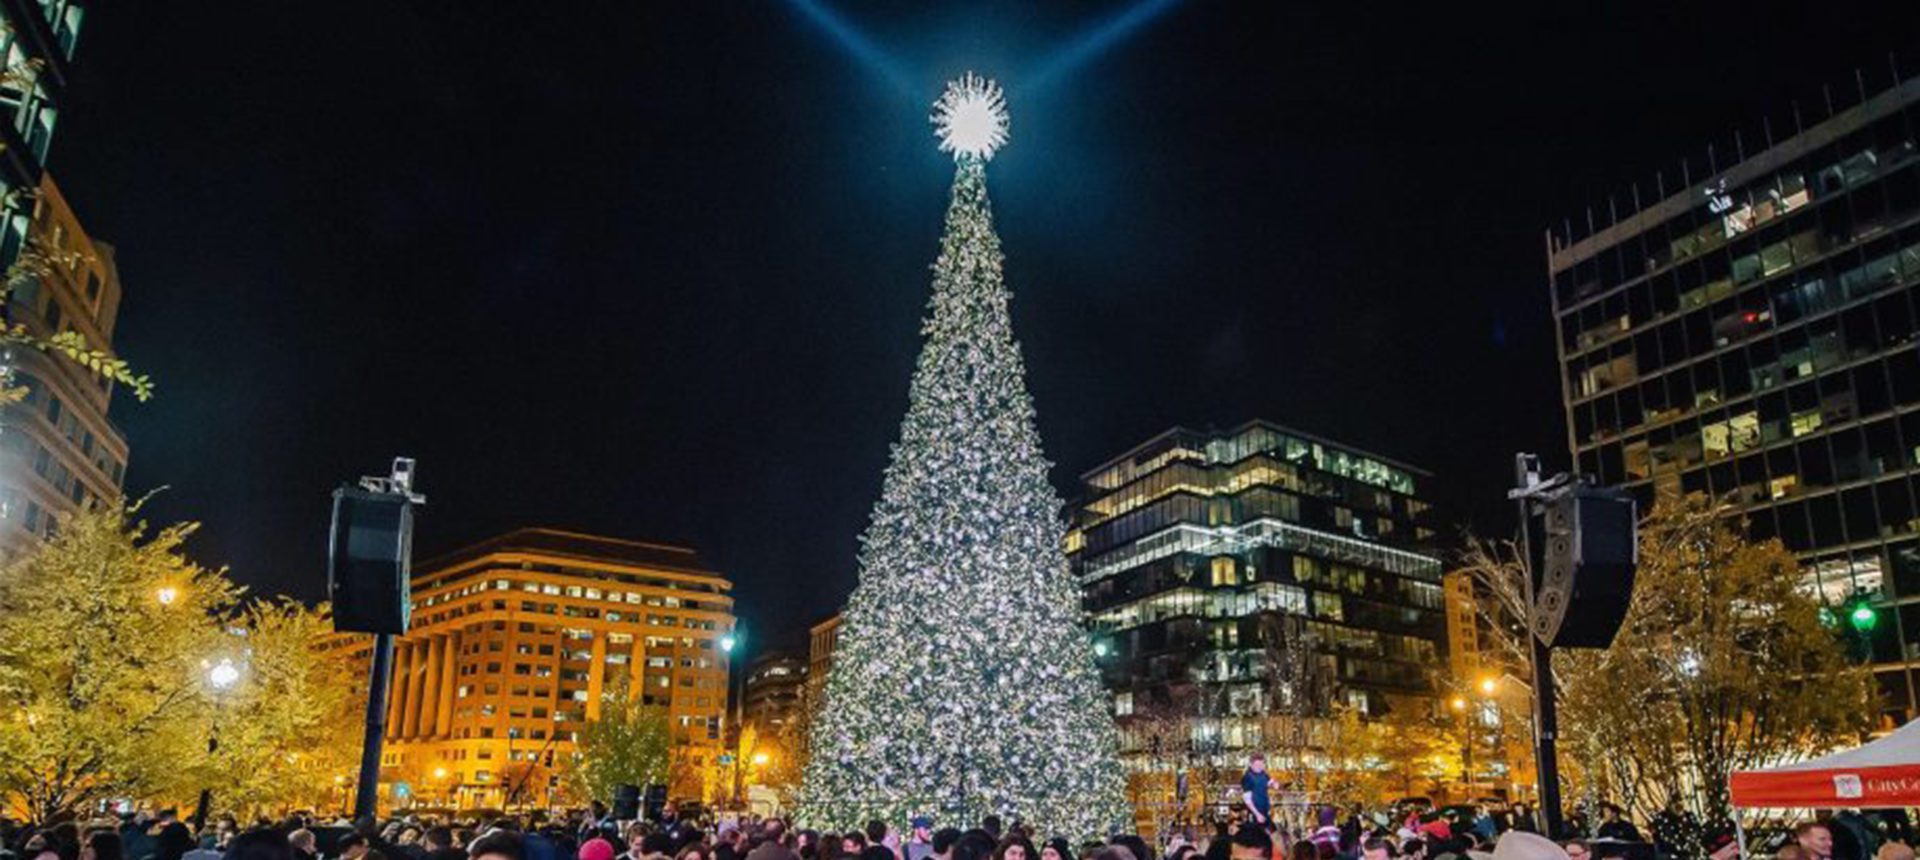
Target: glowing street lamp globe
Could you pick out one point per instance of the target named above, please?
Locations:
(223, 674)
(727, 643)
(166, 594)
(971, 118)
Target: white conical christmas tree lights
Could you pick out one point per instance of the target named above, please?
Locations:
(963, 680)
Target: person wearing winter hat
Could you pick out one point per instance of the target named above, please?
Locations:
(596, 849)
(1521, 845)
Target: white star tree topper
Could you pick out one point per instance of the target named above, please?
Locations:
(971, 118)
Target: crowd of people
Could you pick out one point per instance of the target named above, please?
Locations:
(1250, 831)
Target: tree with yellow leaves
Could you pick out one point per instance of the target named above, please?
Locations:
(103, 630)
(1723, 664)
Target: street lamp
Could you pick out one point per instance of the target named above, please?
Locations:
(1488, 685)
(1459, 703)
(167, 594)
(759, 759)
(737, 712)
(221, 677)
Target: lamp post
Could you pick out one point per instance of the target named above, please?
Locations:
(1466, 732)
(736, 722)
(221, 677)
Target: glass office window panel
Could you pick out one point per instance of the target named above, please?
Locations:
(1823, 512)
(1896, 508)
(1857, 510)
(1904, 563)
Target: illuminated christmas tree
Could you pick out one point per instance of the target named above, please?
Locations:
(963, 680)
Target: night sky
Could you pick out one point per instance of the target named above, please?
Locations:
(657, 270)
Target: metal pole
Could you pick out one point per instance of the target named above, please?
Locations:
(1546, 728)
(378, 679)
(206, 794)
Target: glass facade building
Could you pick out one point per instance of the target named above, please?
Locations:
(1189, 546)
(1751, 337)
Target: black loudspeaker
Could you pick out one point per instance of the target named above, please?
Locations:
(1588, 555)
(656, 801)
(626, 802)
(369, 554)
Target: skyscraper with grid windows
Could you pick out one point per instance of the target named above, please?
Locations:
(1747, 332)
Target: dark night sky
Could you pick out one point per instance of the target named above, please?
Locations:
(656, 270)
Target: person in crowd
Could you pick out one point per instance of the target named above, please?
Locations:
(728, 842)
(773, 842)
(1522, 845)
(652, 846)
(1577, 849)
(596, 849)
(991, 824)
(1303, 850)
(1614, 825)
(879, 837)
(806, 844)
(943, 842)
(1254, 792)
(1251, 842)
(974, 845)
(1816, 838)
(102, 844)
(852, 844)
(1015, 847)
(695, 851)
(305, 845)
(1134, 845)
(171, 838)
(1058, 848)
(501, 844)
(1376, 849)
(438, 844)
(262, 843)
(352, 846)
(920, 839)
(1792, 851)
(1888, 851)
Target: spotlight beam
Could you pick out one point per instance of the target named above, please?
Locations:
(856, 43)
(1085, 48)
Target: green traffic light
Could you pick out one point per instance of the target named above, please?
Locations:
(1864, 618)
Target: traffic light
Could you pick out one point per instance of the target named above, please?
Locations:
(1863, 616)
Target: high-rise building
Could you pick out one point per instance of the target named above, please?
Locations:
(1747, 332)
(1243, 562)
(57, 447)
(773, 691)
(37, 41)
(516, 639)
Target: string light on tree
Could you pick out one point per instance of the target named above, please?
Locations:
(964, 682)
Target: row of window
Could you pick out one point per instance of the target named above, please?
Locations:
(1804, 303)
(1258, 439)
(580, 592)
(1860, 363)
(1261, 469)
(1721, 215)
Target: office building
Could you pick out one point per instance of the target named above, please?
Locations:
(58, 450)
(821, 638)
(1208, 559)
(773, 691)
(514, 642)
(37, 41)
(1745, 332)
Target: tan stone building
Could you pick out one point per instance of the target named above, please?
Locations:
(515, 640)
(58, 450)
(821, 639)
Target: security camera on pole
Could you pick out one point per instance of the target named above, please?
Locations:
(1577, 593)
(369, 561)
